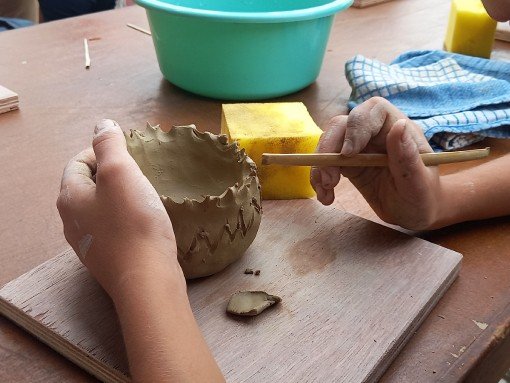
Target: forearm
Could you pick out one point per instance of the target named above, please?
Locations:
(477, 193)
(163, 341)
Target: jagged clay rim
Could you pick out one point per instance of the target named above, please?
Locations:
(221, 143)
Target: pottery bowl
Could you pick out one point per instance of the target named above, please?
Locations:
(241, 49)
(210, 190)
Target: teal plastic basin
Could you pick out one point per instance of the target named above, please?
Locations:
(241, 49)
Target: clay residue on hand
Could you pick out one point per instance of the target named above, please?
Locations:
(84, 245)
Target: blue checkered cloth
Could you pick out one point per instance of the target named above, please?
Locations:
(457, 100)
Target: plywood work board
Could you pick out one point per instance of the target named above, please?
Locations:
(503, 32)
(8, 100)
(352, 294)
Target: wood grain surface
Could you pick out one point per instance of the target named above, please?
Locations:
(503, 32)
(367, 3)
(353, 292)
(61, 102)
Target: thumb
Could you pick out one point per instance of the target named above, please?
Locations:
(404, 161)
(109, 142)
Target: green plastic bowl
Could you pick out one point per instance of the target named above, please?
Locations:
(241, 49)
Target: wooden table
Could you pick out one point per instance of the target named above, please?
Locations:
(60, 103)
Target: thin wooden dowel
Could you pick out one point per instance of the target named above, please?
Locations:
(87, 55)
(139, 29)
(366, 159)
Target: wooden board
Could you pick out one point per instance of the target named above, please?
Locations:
(8, 100)
(367, 3)
(353, 293)
(503, 32)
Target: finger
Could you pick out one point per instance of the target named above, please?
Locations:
(115, 167)
(331, 142)
(404, 161)
(109, 142)
(78, 175)
(325, 196)
(419, 137)
(77, 182)
(80, 169)
(369, 123)
(315, 178)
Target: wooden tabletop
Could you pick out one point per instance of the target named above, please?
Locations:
(467, 335)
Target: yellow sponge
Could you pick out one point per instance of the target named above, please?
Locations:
(274, 128)
(470, 29)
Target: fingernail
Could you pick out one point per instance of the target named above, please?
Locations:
(104, 126)
(347, 148)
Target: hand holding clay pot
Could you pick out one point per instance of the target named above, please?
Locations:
(116, 223)
(113, 218)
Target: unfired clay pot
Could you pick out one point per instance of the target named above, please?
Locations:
(210, 190)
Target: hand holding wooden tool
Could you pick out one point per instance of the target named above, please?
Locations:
(367, 159)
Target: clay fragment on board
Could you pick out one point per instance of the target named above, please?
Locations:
(251, 303)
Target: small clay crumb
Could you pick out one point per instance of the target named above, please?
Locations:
(248, 271)
(257, 272)
(442, 317)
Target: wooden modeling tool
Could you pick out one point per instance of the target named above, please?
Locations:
(367, 159)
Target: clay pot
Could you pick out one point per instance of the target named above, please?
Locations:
(210, 190)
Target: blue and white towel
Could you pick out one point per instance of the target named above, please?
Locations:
(457, 100)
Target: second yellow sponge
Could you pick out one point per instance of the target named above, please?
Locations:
(274, 128)
(470, 29)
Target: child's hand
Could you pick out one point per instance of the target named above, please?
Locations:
(113, 217)
(406, 193)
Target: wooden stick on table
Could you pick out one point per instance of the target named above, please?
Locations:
(139, 29)
(368, 159)
(87, 55)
